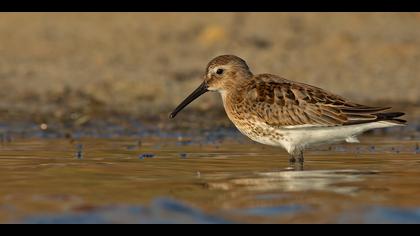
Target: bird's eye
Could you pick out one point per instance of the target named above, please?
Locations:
(219, 71)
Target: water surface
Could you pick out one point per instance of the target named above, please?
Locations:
(178, 180)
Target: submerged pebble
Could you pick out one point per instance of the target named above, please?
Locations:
(68, 136)
(396, 150)
(183, 155)
(43, 126)
(146, 155)
(79, 151)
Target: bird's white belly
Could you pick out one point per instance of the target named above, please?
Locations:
(300, 137)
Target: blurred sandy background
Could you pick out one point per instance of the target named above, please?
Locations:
(76, 66)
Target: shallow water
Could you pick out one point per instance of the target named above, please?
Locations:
(167, 180)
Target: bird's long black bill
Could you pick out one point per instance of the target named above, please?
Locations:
(197, 93)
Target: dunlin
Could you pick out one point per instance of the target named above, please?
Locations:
(279, 112)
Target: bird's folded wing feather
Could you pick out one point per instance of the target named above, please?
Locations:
(280, 102)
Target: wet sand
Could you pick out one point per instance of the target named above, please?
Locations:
(78, 67)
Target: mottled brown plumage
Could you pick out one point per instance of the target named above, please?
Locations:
(275, 111)
(281, 102)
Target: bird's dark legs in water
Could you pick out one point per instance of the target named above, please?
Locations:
(296, 157)
(296, 160)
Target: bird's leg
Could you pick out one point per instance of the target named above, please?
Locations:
(299, 157)
(296, 160)
(296, 157)
(292, 159)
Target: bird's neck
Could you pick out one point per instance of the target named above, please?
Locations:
(233, 94)
(224, 94)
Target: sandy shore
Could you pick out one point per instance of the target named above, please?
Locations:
(74, 66)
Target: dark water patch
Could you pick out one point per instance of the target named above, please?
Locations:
(382, 215)
(272, 210)
(161, 211)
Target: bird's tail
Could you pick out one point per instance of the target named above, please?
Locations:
(391, 117)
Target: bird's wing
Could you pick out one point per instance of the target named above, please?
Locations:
(281, 102)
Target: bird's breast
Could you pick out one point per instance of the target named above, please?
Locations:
(241, 115)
